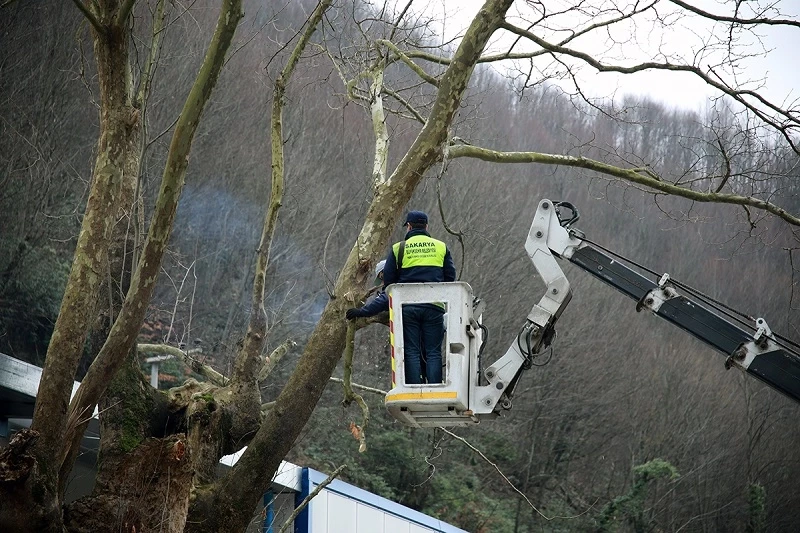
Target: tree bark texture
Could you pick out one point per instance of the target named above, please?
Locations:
(123, 333)
(148, 492)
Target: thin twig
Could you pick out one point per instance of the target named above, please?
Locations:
(458, 234)
(307, 499)
(359, 432)
(476, 450)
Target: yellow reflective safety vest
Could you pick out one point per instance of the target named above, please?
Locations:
(422, 260)
(421, 251)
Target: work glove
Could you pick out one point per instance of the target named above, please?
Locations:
(353, 313)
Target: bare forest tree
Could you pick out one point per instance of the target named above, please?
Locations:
(425, 108)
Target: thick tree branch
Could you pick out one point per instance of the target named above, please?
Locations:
(91, 16)
(639, 176)
(378, 116)
(443, 60)
(125, 11)
(246, 365)
(433, 58)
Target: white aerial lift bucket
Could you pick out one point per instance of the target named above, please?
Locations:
(446, 403)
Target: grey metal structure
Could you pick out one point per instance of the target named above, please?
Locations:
(19, 383)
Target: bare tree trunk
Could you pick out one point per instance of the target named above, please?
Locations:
(139, 473)
(149, 491)
(119, 130)
(48, 450)
(123, 333)
(226, 506)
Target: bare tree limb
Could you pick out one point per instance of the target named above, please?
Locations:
(791, 120)
(272, 359)
(378, 115)
(413, 66)
(261, 453)
(416, 115)
(146, 80)
(125, 11)
(728, 169)
(255, 337)
(444, 60)
(359, 432)
(508, 481)
(361, 387)
(205, 370)
(297, 510)
(641, 176)
(736, 20)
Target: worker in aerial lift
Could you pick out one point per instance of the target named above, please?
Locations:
(419, 258)
(376, 305)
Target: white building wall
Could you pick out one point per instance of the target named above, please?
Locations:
(344, 508)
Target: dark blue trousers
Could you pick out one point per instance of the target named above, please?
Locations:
(423, 333)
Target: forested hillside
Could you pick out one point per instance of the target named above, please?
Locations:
(630, 425)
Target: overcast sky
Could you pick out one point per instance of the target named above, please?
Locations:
(685, 36)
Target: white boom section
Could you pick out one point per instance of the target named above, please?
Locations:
(545, 237)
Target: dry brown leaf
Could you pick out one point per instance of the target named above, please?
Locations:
(178, 450)
(355, 430)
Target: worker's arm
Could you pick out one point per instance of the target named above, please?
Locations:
(449, 267)
(375, 306)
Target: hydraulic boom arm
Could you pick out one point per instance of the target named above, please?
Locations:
(752, 348)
